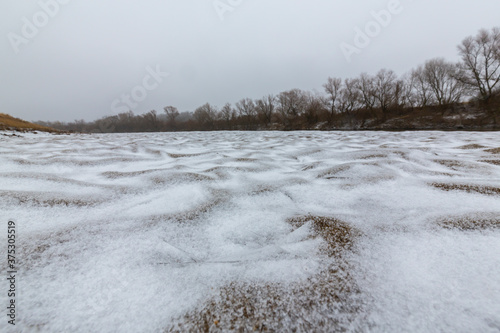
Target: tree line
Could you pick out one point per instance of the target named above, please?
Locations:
(351, 102)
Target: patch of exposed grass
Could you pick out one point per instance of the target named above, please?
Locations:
(488, 190)
(225, 169)
(118, 174)
(311, 166)
(158, 179)
(494, 162)
(324, 302)
(472, 146)
(262, 189)
(332, 172)
(184, 155)
(7, 122)
(471, 222)
(246, 159)
(339, 236)
(372, 156)
(48, 199)
(493, 150)
(462, 166)
(455, 165)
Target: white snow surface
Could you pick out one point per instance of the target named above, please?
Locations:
(129, 232)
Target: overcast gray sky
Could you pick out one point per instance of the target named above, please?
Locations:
(77, 59)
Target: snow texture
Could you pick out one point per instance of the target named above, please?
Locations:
(139, 232)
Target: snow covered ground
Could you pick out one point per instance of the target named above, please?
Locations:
(221, 230)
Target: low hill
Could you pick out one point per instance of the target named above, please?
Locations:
(7, 122)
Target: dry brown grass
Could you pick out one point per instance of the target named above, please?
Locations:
(184, 155)
(324, 302)
(339, 236)
(331, 173)
(488, 190)
(471, 222)
(7, 122)
(119, 174)
(452, 164)
(373, 156)
(493, 150)
(48, 199)
(246, 159)
(494, 162)
(158, 179)
(311, 166)
(472, 146)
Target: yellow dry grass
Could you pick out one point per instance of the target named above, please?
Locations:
(7, 122)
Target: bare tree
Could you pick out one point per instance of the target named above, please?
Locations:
(246, 108)
(314, 107)
(247, 111)
(481, 62)
(172, 113)
(350, 97)
(421, 88)
(125, 121)
(205, 116)
(366, 87)
(107, 124)
(408, 97)
(227, 115)
(384, 89)
(497, 50)
(291, 104)
(441, 77)
(333, 89)
(152, 120)
(400, 94)
(265, 108)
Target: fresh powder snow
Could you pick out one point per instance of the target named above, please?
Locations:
(151, 232)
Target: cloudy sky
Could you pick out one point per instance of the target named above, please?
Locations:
(76, 59)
